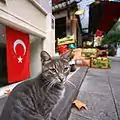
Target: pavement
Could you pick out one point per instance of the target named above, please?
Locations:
(100, 91)
(62, 111)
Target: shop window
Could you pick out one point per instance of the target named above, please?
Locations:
(3, 67)
(60, 29)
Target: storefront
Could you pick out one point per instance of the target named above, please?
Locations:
(67, 23)
(35, 20)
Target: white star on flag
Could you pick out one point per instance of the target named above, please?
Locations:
(20, 59)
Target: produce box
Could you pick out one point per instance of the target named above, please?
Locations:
(99, 62)
(102, 53)
(62, 48)
(82, 62)
(77, 53)
(89, 52)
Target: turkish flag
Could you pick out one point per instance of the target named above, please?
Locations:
(18, 55)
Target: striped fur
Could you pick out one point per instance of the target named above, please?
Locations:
(35, 99)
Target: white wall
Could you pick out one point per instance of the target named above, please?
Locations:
(35, 61)
(24, 15)
(46, 4)
(49, 41)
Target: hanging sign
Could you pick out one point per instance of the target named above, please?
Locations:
(66, 40)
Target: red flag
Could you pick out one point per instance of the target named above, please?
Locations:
(18, 55)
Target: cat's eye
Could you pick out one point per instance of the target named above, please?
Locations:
(53, 70)
(66, 69)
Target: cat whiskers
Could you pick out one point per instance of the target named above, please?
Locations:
(46, 83)
(52, 83)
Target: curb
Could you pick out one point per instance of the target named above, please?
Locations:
(62, 111)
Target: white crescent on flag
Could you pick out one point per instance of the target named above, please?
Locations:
(18, 41)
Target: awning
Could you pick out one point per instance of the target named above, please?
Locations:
(103, 15)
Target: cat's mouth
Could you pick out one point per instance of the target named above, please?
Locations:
(61, 80)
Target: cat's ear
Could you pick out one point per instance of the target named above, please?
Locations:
(45, 56)
(66, 56)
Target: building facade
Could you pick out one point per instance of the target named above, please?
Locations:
(66, 22)
(35, 18)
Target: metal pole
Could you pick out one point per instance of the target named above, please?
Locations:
(68, 27)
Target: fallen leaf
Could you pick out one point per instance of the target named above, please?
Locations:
(7, 91)
(79, 104)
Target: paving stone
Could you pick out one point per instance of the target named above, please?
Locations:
(77, 117)
(115, 84)
(118, 107)
(115, 69)
(100, 107)
(95, 92)
(95, 85)
(62, 111)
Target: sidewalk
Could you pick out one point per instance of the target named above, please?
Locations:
(100, 91)
(62, 111)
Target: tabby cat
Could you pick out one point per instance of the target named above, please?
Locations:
(35, 99)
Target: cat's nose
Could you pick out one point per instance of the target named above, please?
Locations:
(62, 78)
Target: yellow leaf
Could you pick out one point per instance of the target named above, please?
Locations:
(79, 104)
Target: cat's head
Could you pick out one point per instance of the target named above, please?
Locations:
(55, 70)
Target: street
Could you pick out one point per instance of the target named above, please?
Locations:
(100, 91)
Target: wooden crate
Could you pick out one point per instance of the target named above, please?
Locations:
(99, 62)
(89, 52)
(82, 62)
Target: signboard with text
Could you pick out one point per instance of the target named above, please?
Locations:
(66, 40)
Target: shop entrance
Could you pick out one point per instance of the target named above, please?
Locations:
(3, 66)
